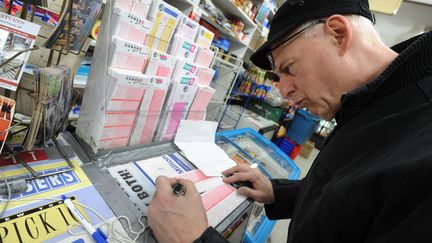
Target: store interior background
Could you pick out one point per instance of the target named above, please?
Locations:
(412, 18)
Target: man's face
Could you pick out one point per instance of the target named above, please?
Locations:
(308, 67)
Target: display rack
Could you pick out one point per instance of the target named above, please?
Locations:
(66, 7)
(92, 113)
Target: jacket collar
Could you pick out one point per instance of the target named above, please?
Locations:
(413, 63)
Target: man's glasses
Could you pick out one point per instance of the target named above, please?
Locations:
(288, 39)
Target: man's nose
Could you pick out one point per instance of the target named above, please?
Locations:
(286, 87)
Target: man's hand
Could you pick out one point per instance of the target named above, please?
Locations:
(176, 218)
(262, 190)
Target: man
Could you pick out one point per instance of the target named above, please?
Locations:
(372, 180)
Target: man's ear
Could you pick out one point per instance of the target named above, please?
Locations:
(339, 28)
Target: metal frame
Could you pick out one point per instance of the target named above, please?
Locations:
(235, 64)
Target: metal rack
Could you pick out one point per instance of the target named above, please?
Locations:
(228, 71)
(65, 9)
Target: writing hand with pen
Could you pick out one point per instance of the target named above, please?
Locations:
(176, 213)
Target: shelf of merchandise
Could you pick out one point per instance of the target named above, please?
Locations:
(225, 32)
(185, 6)
(220, 60)
(229, 8)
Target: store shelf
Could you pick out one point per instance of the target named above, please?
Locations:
(227, 63)
(186, 6)
(225, 32)
(228, 7)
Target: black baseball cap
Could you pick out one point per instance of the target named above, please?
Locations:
(293, 13)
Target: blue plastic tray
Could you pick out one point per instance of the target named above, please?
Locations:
(266, 226)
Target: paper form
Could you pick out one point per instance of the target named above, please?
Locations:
(177, 106)
(160, 64)
(149, 111)
(138, 178)
(129, 27)
(205, 75)
(196, 139)
(204, 37)
(125, 89)
(153, 117)
(119, 118)
(198, 108)
(176, 116)
(219, 199)
(165, 18)
(138, 181)
(203, 186)
(137, 8)
(204, 57)
(184, 68)
(187, 27)
(115, 136)
(219, 211)
(128, 55)
(184, 48)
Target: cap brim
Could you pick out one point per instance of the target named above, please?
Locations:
(260, 59)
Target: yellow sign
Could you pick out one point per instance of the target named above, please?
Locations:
(37, 224)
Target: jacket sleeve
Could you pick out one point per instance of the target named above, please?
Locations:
(210, 235)
(285, 193)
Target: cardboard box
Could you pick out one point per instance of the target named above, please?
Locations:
(306, 149)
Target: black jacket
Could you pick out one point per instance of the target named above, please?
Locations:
(372, 182)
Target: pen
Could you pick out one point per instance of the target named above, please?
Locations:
(97, 234)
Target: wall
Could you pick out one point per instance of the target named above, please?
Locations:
(411, 19)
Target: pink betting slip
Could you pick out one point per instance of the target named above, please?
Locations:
(119, 118)
(176, 116)
(153, 116)
(198, 108)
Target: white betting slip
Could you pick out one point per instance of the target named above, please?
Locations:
(196, 139)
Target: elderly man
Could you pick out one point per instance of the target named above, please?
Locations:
(372, 181)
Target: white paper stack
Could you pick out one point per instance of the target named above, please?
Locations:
(128, 55)
(196, 139)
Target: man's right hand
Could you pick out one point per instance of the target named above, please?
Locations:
(262, 190)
